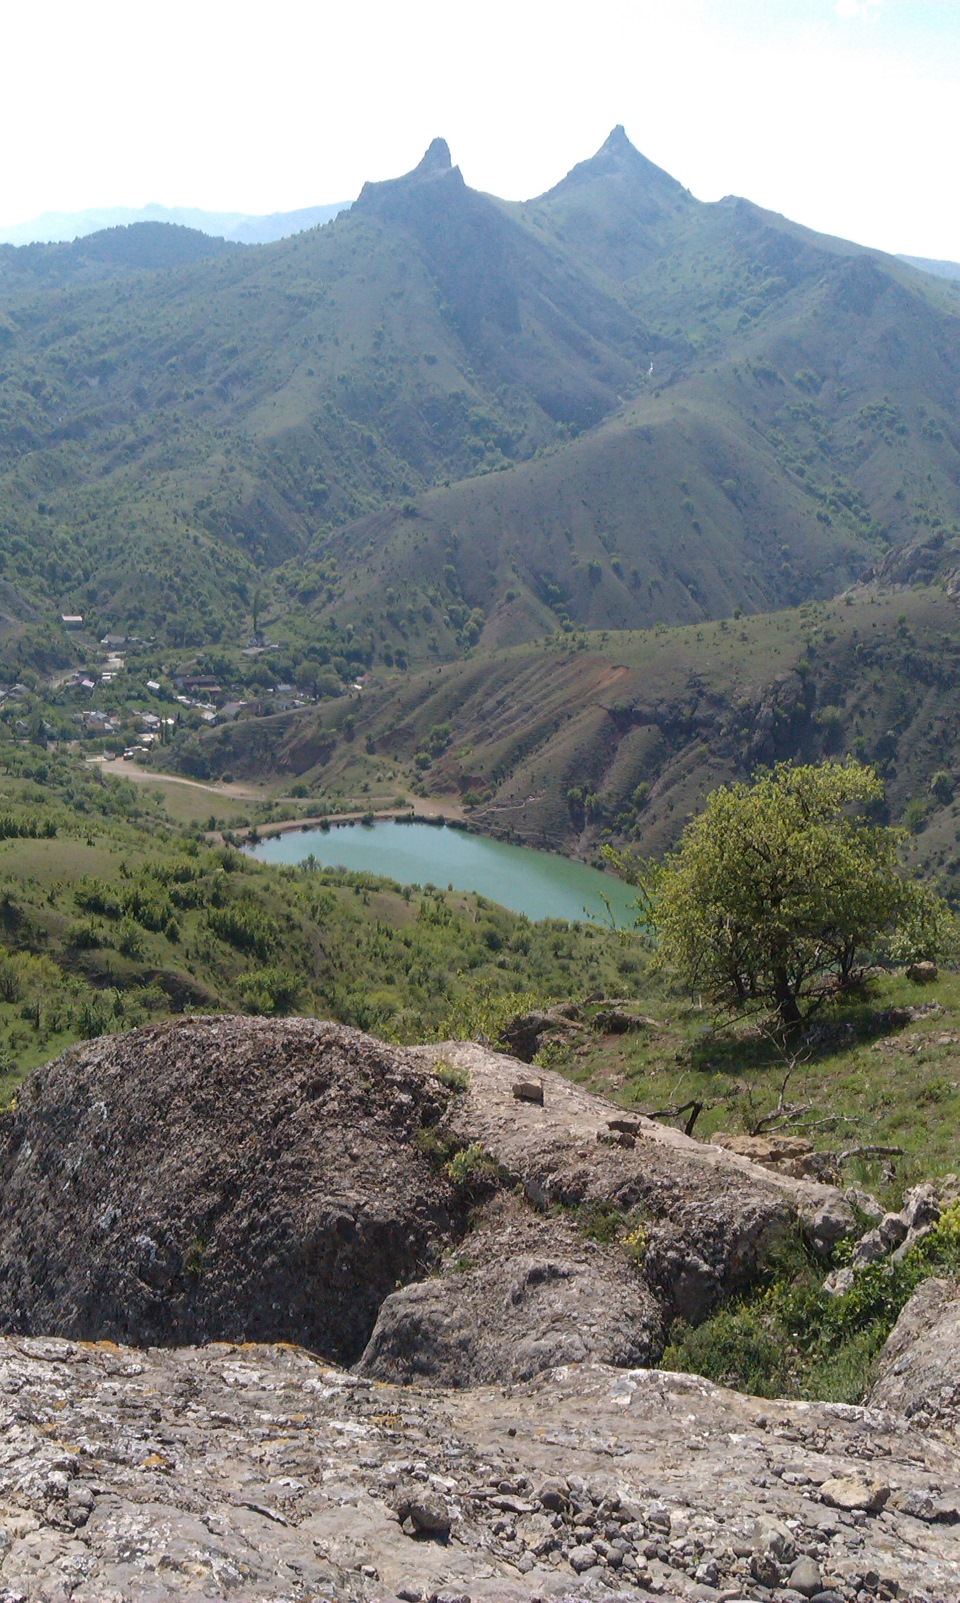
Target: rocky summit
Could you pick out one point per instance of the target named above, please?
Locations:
(236, 1179)
(369, 1354)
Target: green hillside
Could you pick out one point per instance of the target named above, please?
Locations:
(608, 406)
(589, 735)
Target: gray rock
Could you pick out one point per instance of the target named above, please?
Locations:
(537, 1295)
(553, 1493)
(428, 1513)
(251, 1178)
(524, 1035)
(918, 1371)
(830, 1222)
(210, 1191)
(839, 1280)
(921, 1206)
(772, 1536)
(892, 1229)
(709, 1214)
(870, 1249)
(582, 1558)
(805, 1577)
(864, 1203)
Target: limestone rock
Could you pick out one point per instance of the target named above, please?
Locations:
(426, 1511)
(536, 1294)
(621, 1019)
(261, 1474)
(219, 1177)
(524, 1035)
(853, 1492)
(238, 1178)
(709, 1213)
(918, 1371)
(773, 1151)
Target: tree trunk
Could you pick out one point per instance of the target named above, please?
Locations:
(786, 999)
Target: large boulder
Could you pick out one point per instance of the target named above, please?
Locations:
(236, 1178)
(219, 1178)
(523, 1294)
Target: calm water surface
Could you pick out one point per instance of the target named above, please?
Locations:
(540, 884)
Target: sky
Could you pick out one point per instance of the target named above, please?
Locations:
(842, 114)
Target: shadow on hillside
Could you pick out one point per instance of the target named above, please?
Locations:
(735, 1047)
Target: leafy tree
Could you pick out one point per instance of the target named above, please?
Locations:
(783, 882)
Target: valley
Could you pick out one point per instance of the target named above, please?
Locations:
(372, 1230)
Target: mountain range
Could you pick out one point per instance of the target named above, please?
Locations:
(450, 426)
(243, 228)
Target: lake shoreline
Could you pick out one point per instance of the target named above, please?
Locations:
(413, 849)
(396, 815)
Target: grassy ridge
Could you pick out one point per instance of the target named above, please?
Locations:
(584, 735)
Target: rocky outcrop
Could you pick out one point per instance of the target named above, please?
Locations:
(225, 1175)
(261, 1474)
(245, 1179)
(525, 1034)
(918, 1372)
(894, 1234)
(709, 1215)
(220, 1177)
(520, 1295)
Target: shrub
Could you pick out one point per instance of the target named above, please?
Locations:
(242, 924)
(472, 1167)
(270, 991)
(795, 1339)
(451, 1075)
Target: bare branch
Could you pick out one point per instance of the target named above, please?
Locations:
(869, 1152)
(693, 1108)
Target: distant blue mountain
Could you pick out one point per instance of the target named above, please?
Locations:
(939, 269)
(239, 227)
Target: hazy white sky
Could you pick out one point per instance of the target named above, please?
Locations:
(840, 113)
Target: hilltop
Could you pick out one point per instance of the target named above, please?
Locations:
(641, 406)
(510, 1260)
(242, 227)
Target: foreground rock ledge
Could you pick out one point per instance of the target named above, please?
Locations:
(243, 1179)
(260, 1473)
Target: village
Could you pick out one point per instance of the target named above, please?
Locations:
(129, 695)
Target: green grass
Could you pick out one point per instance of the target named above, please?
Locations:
(793, 1339)
(186, 805)
(861, 1079)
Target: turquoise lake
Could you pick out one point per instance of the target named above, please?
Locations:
(540, 884)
